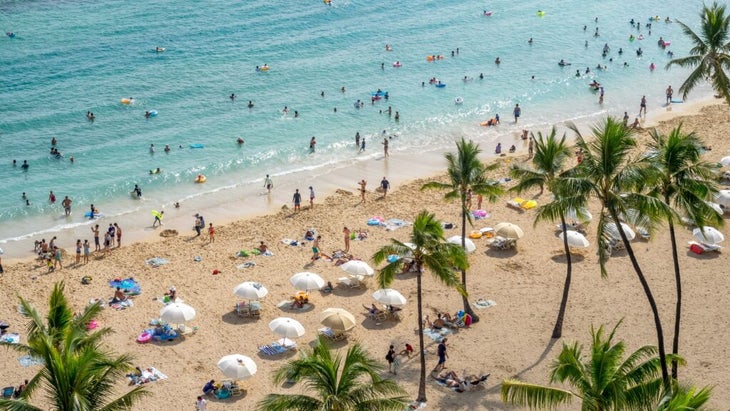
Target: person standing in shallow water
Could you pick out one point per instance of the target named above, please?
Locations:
(385, 146)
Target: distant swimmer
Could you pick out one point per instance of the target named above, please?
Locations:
(232, 97)
(343, 89)
(388, 47)
(250, 104)
(563, 63)
(137, 191)
(167, 148)
(285, 110)
(147, 114)
(321, 93)
(152, 149)
(25, 165)
(90, 116)
(240, 141)
(156, 171)
(54, 141)
(159, 49)
(529, 41)
(497, 61)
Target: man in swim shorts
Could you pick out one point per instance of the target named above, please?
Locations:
(311, 197)
(517, 112)
(66, 203)
(384, 185)
(669, 94)
(642, 107)
(315, 248)
(297, 200)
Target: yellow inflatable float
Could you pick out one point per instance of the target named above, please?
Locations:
(127, 100)
(475, 234)
(200, 179)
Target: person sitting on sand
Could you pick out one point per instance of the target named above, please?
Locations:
(407, 351)
(262, 247)
(373, 310)
(512, 148)
(119, 296)
(135, 377)
(309, 235)
(437, 324)
(636, 125)
(171, 294)
(209, 387)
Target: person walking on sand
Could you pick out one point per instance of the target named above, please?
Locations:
(362, 184)
(268, 183)
(442, 355)
(642, 107)
(385, 146)
(346, 232)
(669, 94)
(95, 230)
(196, 225)
(66, 203)
(86, 251)
(517, 112)
(390, 357)
(158, 219)
(530, 147)
(315, 248)
(119, 235)
(211, 233)
(57, 257)
(311, 197)
(297, 200)
(384, 186)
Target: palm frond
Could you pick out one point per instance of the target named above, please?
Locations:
(535, 396)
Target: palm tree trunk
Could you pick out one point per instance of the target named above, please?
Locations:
(558, 330)
(652, 303)
(678, 307)
(465, 298)
(421, 353)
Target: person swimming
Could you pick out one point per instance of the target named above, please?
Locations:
(250, 104)
(240, 140)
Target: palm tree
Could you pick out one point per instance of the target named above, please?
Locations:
(609, 174)
(466, 172)
(602, 380)
(683, 182)
(551, 154)
(78, 374)
(686, 399)
(428, 250)
(354, 384)
(710, 55)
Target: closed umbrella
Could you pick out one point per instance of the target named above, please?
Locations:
(509, 231)
(723, 198)
(612, 231)
(708, 235)
(337, 319)
(470, 247)
(250, 290)
(575, 239)
(287, 328)
(357, 268)
(725, 161)
(177, 313)
(389, 296)
(306, 281)
(237, 367)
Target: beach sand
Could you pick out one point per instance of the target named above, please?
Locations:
(511, 340)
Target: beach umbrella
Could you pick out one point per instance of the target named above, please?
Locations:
(575, 239)
(287, 328)
(509, 231)
(389, 296)
(723, 198)
(237, 367)
(470, 247)
(725, 161)
(306, 281)
(584, 217)
(708, 235)
(612, 231)
(357, 268)
(250, 290)
(177, 313)
(715, 207)
(337, 319)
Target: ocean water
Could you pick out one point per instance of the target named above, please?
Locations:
(70, 57)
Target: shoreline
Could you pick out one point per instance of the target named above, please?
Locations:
(227, 205)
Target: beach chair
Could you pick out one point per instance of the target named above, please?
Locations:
(272, 349)
(332, 335)
(350, 282)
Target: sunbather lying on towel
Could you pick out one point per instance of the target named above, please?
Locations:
(453, 381)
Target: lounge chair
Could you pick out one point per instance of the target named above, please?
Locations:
(380, 315)
(244, 309)
(274, 349)
(351, 282)
(332, 335)
(502, 243)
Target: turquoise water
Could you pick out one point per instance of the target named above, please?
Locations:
(70, 57)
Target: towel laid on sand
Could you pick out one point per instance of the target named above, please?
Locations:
(27, 361)
(482, 303)
(436, 334)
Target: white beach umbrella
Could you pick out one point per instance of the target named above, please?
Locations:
(357, 267)
(708, 235)
(509, 231)
(287, 328)
(337, 319)
(237, 367)
(715, 207)
(470, 247)
(306, 281)
(723, 198)
(612, 231)
(584, 217)
(575, 239)
(177, 313)
(389, 296)
(725, 161)
(250, 290)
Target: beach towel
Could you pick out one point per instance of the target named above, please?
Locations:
(151, 374)
(394, 224)
(415, 406)
(482, 303)
(128, 285)
(156, 262)
(122, 305)
(436, 335)
(247, 264)
(27, 361)
(289, 241)
(12, 338)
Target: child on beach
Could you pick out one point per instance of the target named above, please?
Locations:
(211, 233)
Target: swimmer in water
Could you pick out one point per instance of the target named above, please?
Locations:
(147, 114)
(286, 110)
(240, 141)
(232, 97)
(152, 149)
(167, 148)
(497, 61)
(250, 104)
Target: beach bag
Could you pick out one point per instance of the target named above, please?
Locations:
(696, 249)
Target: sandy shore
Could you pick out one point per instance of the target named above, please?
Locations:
(513, 338)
